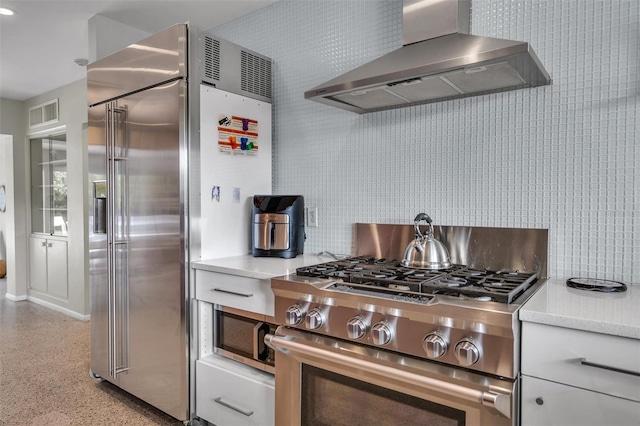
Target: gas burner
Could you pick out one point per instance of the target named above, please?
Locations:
(497, 288)
(363, 261)
(469, 273)
(452, 282)
(416, 278)
(481, 298)
(425, 274)
(380, 273)
(344, 274)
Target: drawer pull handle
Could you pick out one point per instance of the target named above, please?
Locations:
(220, 401)
(539, 400)
(584, 361)
(235, 293)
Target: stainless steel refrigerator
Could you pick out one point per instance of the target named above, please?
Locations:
(138, 152)
(164, 118)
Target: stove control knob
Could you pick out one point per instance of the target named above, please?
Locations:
(313, 320)
(293, 315)
(381, 334)
(434, 345)
(467, 353)
(356, 328)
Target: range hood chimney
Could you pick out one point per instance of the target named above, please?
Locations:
(439, 61)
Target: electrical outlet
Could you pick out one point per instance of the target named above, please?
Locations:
(312, 217)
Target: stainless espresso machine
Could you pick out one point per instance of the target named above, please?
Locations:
(278, 226)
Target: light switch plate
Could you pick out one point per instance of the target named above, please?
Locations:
(312, 217)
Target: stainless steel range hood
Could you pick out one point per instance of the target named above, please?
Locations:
(439, 61)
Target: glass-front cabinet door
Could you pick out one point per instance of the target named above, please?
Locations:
(49, 184)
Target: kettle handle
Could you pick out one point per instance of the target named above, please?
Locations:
(416, 222)
(422, 216)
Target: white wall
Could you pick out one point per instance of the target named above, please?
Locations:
(107, 36)
(563, 157)
(7, 217)
(13, 221)
(6, 176)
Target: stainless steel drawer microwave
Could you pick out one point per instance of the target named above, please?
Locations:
(239, 335)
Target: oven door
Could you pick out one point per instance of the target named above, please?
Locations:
(323, 381)
(240, 335)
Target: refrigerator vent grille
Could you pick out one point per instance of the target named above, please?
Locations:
(212, 58)
(235, 69)
(256, 75)
(42, 114)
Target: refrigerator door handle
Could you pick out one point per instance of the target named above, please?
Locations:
(117, 239)
(109, 219)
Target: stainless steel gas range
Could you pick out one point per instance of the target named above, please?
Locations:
(365, 340)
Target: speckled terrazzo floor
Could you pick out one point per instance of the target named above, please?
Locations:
(44, 374)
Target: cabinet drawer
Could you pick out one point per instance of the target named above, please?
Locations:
(248, 294)
(556, 354)
(226, 397)
(546, 403)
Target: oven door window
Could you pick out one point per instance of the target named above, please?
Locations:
(330, 399)
(235, 333)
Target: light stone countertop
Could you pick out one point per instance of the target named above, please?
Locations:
(258, 267)
(616, 314)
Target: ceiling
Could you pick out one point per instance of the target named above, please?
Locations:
(38, 45)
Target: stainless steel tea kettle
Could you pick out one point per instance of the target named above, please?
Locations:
(425, 251)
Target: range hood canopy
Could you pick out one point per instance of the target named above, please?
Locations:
(438, 61)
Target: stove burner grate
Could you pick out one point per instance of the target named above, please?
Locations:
(498, 286)
(390, 277)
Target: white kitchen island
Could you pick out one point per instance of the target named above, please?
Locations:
(580, 357)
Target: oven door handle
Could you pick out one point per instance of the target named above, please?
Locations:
(496, 398)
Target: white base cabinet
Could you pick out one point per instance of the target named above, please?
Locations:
(227, 392)
(228, 397)
(248, 294)
(48, 267)
(546, 403)
(574, 377)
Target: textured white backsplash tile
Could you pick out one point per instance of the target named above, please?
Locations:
(564, 157)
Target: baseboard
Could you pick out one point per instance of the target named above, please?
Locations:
(60, 309)
(10, 296)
